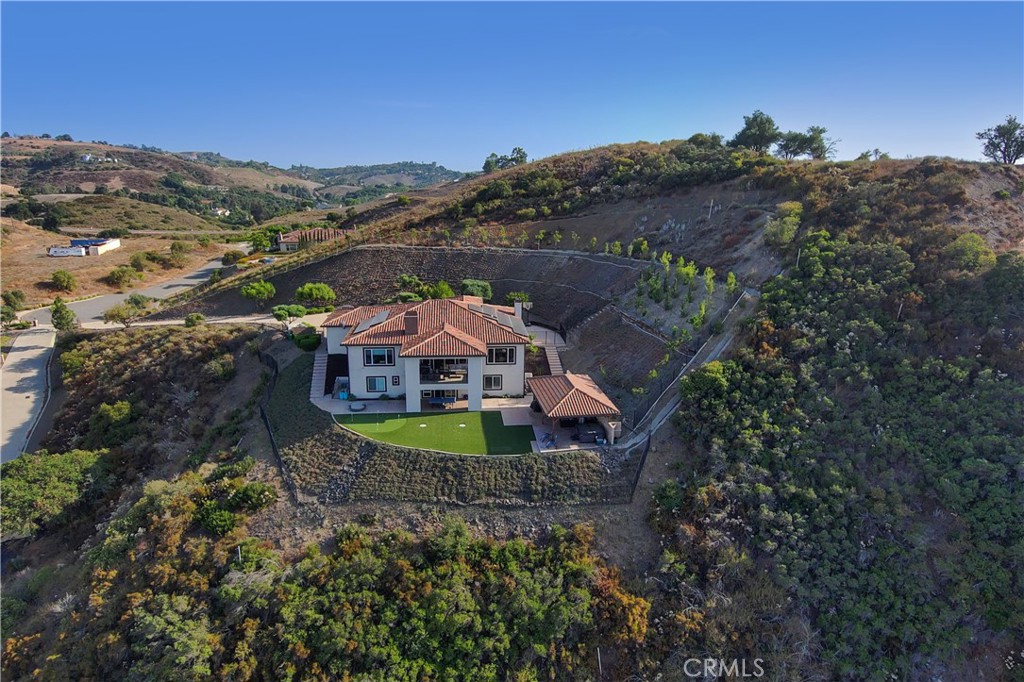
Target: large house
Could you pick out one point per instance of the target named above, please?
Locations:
(429, 353)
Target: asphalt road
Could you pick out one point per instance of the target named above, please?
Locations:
(23, 377)
(91, 309)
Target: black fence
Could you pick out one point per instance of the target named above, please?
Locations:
(271, 362)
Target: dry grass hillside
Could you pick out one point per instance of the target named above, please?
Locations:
(133, 169)
(26, 266)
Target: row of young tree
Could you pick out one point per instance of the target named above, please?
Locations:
(862, 447)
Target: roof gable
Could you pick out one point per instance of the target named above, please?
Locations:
(571, 395)
(444, 326)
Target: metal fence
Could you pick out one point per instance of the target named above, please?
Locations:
(271, 362)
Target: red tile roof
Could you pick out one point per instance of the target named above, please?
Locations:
(462, 326)
(571, 395)
(316, 234)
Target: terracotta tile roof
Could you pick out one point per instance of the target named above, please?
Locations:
(316, 234)
(571, 395)
(449, 341)
(462, 326)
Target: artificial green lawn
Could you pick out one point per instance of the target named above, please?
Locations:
(470, 433)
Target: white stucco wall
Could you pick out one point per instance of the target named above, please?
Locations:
(357, 374)
(512, 381)
(335, 335)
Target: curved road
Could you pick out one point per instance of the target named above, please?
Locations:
(91, 309)
(24, 376)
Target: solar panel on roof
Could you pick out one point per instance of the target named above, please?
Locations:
(372, 322)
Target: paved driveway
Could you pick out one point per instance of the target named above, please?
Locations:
(24, 388)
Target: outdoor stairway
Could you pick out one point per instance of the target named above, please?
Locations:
(554, 362)
(316, 386)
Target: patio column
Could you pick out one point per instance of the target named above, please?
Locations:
(412, 385)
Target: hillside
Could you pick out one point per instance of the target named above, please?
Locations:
(204, 184)
(408, 173)
(837, 497)
(27, 268)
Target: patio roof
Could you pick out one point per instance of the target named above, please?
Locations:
(571, 395)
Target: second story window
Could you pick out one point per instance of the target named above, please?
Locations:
(375, 357)
(505, 355)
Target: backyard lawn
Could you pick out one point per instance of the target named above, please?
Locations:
(470, 433)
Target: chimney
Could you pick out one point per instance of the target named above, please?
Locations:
(518, 305)
(412, 323)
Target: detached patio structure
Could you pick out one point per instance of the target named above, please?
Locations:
(575, 400)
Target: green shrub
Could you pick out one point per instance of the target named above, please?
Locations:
(231, 257)
(526, 213)
(308, 342)
(64, 281)
(123, 276)
(212, 518)
(110, 425)
(194, 319)
(221, 368)
(37, 488)
(477, 287)
(252, 497)
(233, 470)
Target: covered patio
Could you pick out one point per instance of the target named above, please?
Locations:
(575, 402)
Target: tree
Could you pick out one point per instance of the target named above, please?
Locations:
(285, 314)
(231, 257)
(709, 281)
(873, 155)
(491, 163)
(62, 317)
(970, 252)
(316, 294)
(820, 147)
(64, 281)
(513, 296)
(7, 315)
(442, 290)
(494, 162)
(64, 138)
(792, 144)
(259, 292)
(123, 276)
(477, 287)
(194, 319)
(759, 133)
(706, 140)
(4, 135)
(15, 298)
(731, 285)
(51, 223)
(122, 313)
(1004, 143)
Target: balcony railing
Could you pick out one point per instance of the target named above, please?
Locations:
(459, 376)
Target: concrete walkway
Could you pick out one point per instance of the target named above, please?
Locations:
(25, 390)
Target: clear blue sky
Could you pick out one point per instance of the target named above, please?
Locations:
(333, 84)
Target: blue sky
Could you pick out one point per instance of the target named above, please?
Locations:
(330, 84)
